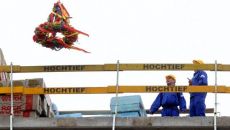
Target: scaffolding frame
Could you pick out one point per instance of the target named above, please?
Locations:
(119, 67)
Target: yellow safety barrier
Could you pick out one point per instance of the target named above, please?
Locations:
(112, 89)
(112, 67)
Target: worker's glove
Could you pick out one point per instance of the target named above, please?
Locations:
(150, 112)
(189, 82)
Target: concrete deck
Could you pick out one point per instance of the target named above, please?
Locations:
(105, 123)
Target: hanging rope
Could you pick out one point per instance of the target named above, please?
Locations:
(58, 22)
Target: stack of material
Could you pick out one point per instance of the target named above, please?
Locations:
(46, 103)
(70, 115)
(128, 106)
(26, 105)
(3, 76)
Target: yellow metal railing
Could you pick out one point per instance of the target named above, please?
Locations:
(112, 67)
(112, 89)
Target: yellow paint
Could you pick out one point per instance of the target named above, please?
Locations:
(112, 89)
(112, 67)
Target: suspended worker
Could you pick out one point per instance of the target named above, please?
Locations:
(169, 100)
(197, 100)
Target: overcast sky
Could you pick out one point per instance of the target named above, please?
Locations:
(132, 31)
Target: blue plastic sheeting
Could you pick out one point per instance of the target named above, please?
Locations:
(69, 115)
(57, 115)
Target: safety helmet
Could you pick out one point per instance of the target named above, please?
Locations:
(197, 62)
(170, 76)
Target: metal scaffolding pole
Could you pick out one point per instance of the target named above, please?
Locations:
(215, 109)
(11, 97)
(117, 90)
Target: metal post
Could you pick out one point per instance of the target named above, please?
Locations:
(215, 109)
(117, 90)
(11, 97)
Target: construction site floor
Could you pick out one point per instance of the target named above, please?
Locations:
(105, 123)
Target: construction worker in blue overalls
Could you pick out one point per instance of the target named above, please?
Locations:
(169, 100)
(197, 100)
